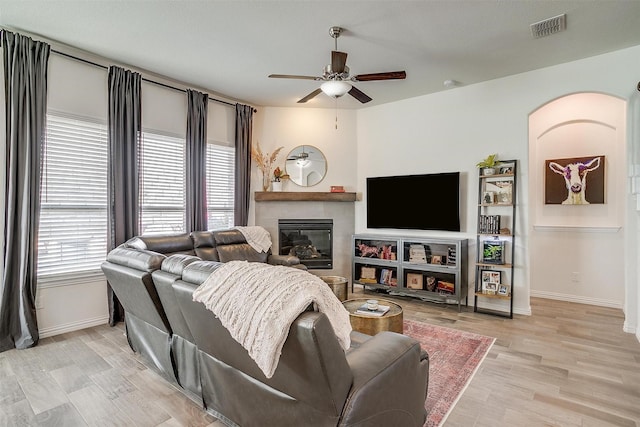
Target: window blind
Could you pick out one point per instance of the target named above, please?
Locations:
(220, 185)
(162, 184)
(72, 233)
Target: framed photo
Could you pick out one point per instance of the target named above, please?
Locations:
(493, 251)
(490, 276)
(436, 259)
(414, 281)
(368, 275)
(489, 288)
(506, 170)
(504, 290)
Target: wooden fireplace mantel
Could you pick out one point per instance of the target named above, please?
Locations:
(303, 196)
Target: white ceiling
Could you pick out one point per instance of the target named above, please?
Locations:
(230, 47)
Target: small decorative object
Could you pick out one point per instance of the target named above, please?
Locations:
(276, 185)
(368, 275)
(264, 161)
(431, 283)
(488, 198)
(506, 170)
(417, 254)
(493, 251)
(436, 259)
(489, 164)
(368, 251)
(489, 288)
(337, 189)
(372, 304)
(502, 191)
(414, 281)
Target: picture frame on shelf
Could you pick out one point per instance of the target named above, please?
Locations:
(493, 251)
(414, 281)
(368, 275)
(446, 288)
(436, 259)
(490, 276)
(489, 288)
(504, 290)
(506, 170)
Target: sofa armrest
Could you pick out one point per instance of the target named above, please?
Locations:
(390, 377)
(288, 260)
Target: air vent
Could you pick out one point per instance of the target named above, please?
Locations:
(549, 26)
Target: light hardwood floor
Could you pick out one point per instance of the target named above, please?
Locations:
(566, 365)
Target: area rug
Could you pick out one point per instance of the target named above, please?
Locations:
(454, 357)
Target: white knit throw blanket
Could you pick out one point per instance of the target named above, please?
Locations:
(257, 303)
(257, 237)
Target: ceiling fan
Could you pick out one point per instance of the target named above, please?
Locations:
(336, 76)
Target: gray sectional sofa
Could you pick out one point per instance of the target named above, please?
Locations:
(379, 381)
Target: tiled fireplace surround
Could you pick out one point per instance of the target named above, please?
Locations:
(297, 206)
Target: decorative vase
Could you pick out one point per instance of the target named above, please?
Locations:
(276, 186)
(489, 171)
(265, 181)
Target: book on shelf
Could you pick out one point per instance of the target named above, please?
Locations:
(382, 309)
(489, 224)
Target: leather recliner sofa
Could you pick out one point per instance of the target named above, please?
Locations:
(380, 381)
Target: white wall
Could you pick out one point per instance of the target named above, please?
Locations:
(454, 129)
(275, 127)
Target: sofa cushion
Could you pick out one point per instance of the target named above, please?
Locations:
(204, 245)
(176, 263)
(165, 244)
(197, 272)
(228, 237)
(142, 260)
(241, 252)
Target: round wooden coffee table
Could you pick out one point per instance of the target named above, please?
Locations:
(371, 325)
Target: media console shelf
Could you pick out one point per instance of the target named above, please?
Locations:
(430, 269)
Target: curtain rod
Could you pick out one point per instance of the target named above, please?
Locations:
(143, 79)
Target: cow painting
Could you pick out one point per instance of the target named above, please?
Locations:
(567, 179)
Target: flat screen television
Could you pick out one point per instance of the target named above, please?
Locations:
(419, 202)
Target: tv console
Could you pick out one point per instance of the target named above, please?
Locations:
(432, 269)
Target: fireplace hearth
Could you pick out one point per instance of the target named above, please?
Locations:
(311, 240)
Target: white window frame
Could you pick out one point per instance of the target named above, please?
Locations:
(156, 186)
(218, 184)
(98, 204)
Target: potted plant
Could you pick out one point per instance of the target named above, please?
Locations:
(489, 164)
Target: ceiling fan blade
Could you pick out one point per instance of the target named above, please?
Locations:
(338, 61)
(290, 76)
(359, 95)
(391, 75)
(311, 95)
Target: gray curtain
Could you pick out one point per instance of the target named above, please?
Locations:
(25, 74)
(244, 123)
(125, 131)
(196, 168)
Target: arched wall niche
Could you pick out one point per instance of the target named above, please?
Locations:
(577, 251)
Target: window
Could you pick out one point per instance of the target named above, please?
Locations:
(220, 186)
(73, 218)
(162, 184)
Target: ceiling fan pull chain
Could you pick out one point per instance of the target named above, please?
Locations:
(336, 99)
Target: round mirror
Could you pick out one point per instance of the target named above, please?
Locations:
(306, 165)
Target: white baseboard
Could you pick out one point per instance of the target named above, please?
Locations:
(73, 326)
(577, 299)
(629, 328)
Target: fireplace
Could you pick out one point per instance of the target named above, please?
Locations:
(311, 240)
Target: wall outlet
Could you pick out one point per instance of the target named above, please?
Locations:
(575, 277)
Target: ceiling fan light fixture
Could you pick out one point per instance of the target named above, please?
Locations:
(335, 88)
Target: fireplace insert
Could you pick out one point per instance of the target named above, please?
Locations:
(311, 240)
